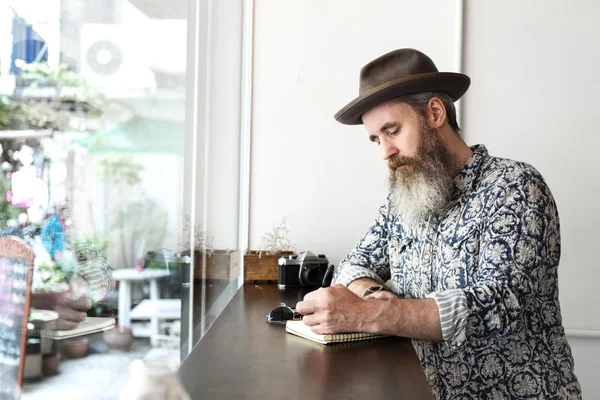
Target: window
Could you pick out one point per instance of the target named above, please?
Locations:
(122, 161)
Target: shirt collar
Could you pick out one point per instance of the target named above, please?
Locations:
(467, 174)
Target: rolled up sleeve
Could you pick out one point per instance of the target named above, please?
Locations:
(519, 244)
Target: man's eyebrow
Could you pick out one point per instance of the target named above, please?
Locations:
(387, 126)
(384, 127)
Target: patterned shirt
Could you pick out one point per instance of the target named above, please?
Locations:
(490, 262)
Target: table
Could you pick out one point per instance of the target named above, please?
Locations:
(127, 276)
(159, 310)
(241, 356)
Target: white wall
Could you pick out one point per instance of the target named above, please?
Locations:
(327, 178)
(534, 98)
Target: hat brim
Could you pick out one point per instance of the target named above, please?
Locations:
(454, 84)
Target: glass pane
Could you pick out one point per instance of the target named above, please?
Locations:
(212, 170)
(111, 174)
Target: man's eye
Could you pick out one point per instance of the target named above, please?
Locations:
(394, 133)
(374, 139)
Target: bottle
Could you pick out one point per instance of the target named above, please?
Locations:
(154, 379)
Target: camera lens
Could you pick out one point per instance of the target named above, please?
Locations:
(312, 277)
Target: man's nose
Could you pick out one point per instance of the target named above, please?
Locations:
(388, 149)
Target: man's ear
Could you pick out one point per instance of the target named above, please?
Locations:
(436, 114)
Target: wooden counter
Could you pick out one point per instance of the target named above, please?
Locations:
(243, 357)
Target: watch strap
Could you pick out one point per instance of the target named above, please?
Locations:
(375, 289)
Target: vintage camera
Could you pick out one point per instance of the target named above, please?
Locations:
(306, 270)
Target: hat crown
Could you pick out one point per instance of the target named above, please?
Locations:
(394, 65)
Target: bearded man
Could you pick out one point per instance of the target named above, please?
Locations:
(463, 256)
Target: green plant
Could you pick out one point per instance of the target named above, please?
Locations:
(119, 169)
(7, 108)
(58, 77)
(40, 114)
(54, 112)
(89, 247)
(7, 210)
(142, 220)
(51, 272)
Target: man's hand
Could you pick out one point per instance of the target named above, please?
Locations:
(70, 311)
(337, 309)
(332, 310)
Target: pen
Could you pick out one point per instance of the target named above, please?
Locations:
(328, 276)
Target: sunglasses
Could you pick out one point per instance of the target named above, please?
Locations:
(280, 315)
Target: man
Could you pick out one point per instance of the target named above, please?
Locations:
(469, 243)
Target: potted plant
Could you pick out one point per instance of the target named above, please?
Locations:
(53, 98)
(210, 264)
(263, 264)
(50, 277)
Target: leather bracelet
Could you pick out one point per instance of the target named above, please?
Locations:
(375, 289)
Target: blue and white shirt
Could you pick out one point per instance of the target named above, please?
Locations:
(490, 262)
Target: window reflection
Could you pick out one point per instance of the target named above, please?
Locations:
(94, 117)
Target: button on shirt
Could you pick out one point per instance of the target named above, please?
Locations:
(490, 262)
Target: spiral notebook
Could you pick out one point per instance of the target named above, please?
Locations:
(298, 328)
(90, 325)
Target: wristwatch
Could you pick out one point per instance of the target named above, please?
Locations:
(376, 288)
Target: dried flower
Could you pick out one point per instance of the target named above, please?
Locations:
(277, 240)
(202, 240)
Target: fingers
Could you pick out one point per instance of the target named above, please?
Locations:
(62, 299)
(68, 314)
(306, 307)
(321, 329)
(310, 320)
(314, 295)
(63, 325)
(83, 303)
(316, 326)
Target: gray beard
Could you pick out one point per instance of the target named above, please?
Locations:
(424, 196)
(423, 188)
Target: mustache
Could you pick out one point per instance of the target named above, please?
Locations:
(396, 162)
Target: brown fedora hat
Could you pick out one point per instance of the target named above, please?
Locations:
(397, 73)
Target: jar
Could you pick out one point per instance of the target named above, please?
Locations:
(154, 379)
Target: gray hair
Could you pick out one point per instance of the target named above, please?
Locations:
(418, 101)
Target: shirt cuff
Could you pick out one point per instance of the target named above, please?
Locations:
(350, 273)
(454, 311)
